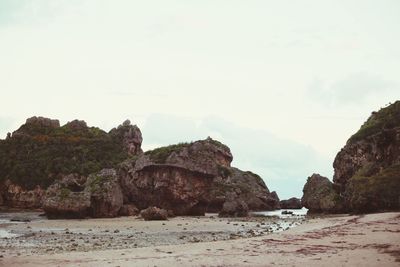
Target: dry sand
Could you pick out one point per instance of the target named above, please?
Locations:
(370, 240)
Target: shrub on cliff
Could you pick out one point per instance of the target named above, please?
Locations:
(371, 193)
(385, 118)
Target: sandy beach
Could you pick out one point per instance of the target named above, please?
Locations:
(343, 240)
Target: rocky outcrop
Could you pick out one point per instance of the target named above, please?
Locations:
(13, 195)
(367, 169)
(106, 195)
(319, 195)
(67, 198)
(273, 201)
(130, 136)
(184, 179)
(190, 179)
(37, 124)
(291, 203)
(246, 186)
(154, 214)
(41, 151)
(74, 196)
(74, 163)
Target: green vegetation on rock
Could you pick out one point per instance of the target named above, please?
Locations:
(38, 154)
(64, 193)
(97, 181)
(369, 193)
(385, 118)
(224, 171)
(160, 155)
(218, 144)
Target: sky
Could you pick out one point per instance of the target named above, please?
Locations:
(283, 83)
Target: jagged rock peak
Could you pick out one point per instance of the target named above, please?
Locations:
(42, 121)
(36, 125)
(131, 137)
(77, 125)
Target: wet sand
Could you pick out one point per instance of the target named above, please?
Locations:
(370, 240)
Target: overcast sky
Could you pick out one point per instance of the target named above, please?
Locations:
(283, 83)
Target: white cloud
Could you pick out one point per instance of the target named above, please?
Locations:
(355, 88)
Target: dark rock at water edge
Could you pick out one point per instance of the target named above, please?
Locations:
(291, 203)
(366, 170)
(319, 195)
(234, 207)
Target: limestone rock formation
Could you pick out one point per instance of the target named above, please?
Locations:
(190, 179)
(154, 213)
(319, 195)
(130, 136)
(273, 201)
(367, 169)
(13, 195)
(74, 162)
(291, 203)
(67, 198)
(106, 195)
(99, 195)
(41, 152)
(245, 185)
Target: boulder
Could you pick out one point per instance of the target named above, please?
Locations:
(74, 196)
(105, 194)
(319, 195)
(154, 213)
(246, 185)
(128, 210)
(291, 203)
(234, 207)
(67, 198)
